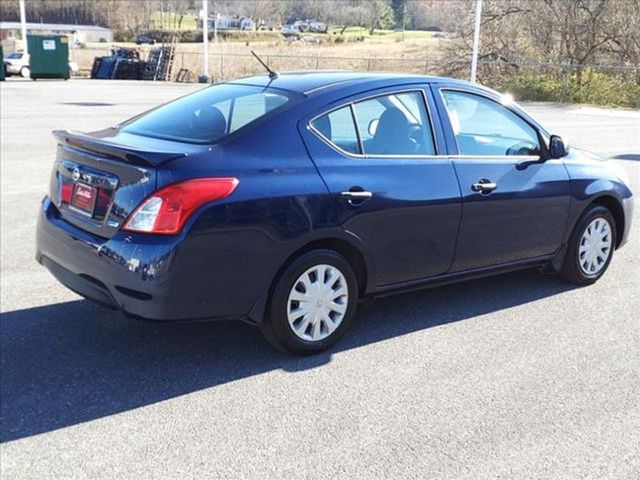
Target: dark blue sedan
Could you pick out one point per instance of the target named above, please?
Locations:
(284, 200)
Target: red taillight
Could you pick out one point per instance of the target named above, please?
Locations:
(167, 210)
(65, 192)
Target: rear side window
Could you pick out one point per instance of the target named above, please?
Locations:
(395, 124)
(338, 128)
(209, 115)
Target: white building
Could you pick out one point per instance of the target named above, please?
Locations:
(80, 33)
(228, 22)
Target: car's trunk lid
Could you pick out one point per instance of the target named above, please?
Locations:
(100, 178)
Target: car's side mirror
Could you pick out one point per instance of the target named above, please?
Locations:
(557, 148)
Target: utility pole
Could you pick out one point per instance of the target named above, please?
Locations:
(23, 27)
(404, 18)
(205, 35)
(476, 40)
(216, 16)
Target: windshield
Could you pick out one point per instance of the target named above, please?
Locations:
(14, 55)
(208, 115)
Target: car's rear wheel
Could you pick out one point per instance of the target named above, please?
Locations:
(25, 72)
(312, 304)
(590, 248)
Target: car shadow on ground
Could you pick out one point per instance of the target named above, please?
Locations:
(72, 362)
(628, 156)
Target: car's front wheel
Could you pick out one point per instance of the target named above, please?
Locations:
(591, 247)
(312, 304)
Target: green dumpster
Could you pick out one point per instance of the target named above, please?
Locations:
(48, 56)
(1, 66)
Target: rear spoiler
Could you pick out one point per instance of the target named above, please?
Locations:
(129, 154)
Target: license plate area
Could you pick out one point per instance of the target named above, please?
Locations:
(83, 198)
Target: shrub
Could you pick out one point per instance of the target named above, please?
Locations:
(124, 36)
(587, 86)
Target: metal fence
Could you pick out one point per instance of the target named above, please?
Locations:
(224, 66)
(228, 65)
(562, 79)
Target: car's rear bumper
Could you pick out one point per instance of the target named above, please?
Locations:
(12, 69)
(82, 285)
(143, 276)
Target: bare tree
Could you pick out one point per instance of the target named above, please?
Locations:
(381, 15)
(578, 33)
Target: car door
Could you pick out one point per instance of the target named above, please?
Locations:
(515, 204)
(379, 155)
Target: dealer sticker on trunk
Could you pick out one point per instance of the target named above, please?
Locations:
(84, 198)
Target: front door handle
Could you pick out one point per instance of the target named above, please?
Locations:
(356, 195)
(484, 186)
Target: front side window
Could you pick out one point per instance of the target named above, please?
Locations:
(395, 124)
(338, 128)
(208, 115)
(484, 127)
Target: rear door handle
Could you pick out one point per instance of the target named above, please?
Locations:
(484, 186)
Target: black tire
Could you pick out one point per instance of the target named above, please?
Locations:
(571, 270)
(276, 327)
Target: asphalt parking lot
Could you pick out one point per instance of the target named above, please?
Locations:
(518, 376)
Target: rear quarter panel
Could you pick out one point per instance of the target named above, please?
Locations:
(232, 249)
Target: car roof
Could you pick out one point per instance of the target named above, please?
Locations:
(310, 82)
(338, 82)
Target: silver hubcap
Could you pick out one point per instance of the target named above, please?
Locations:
(595, 246)
(317, 302)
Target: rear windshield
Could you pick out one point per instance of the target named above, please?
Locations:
(208, 115)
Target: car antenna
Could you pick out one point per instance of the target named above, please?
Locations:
(272, 74)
